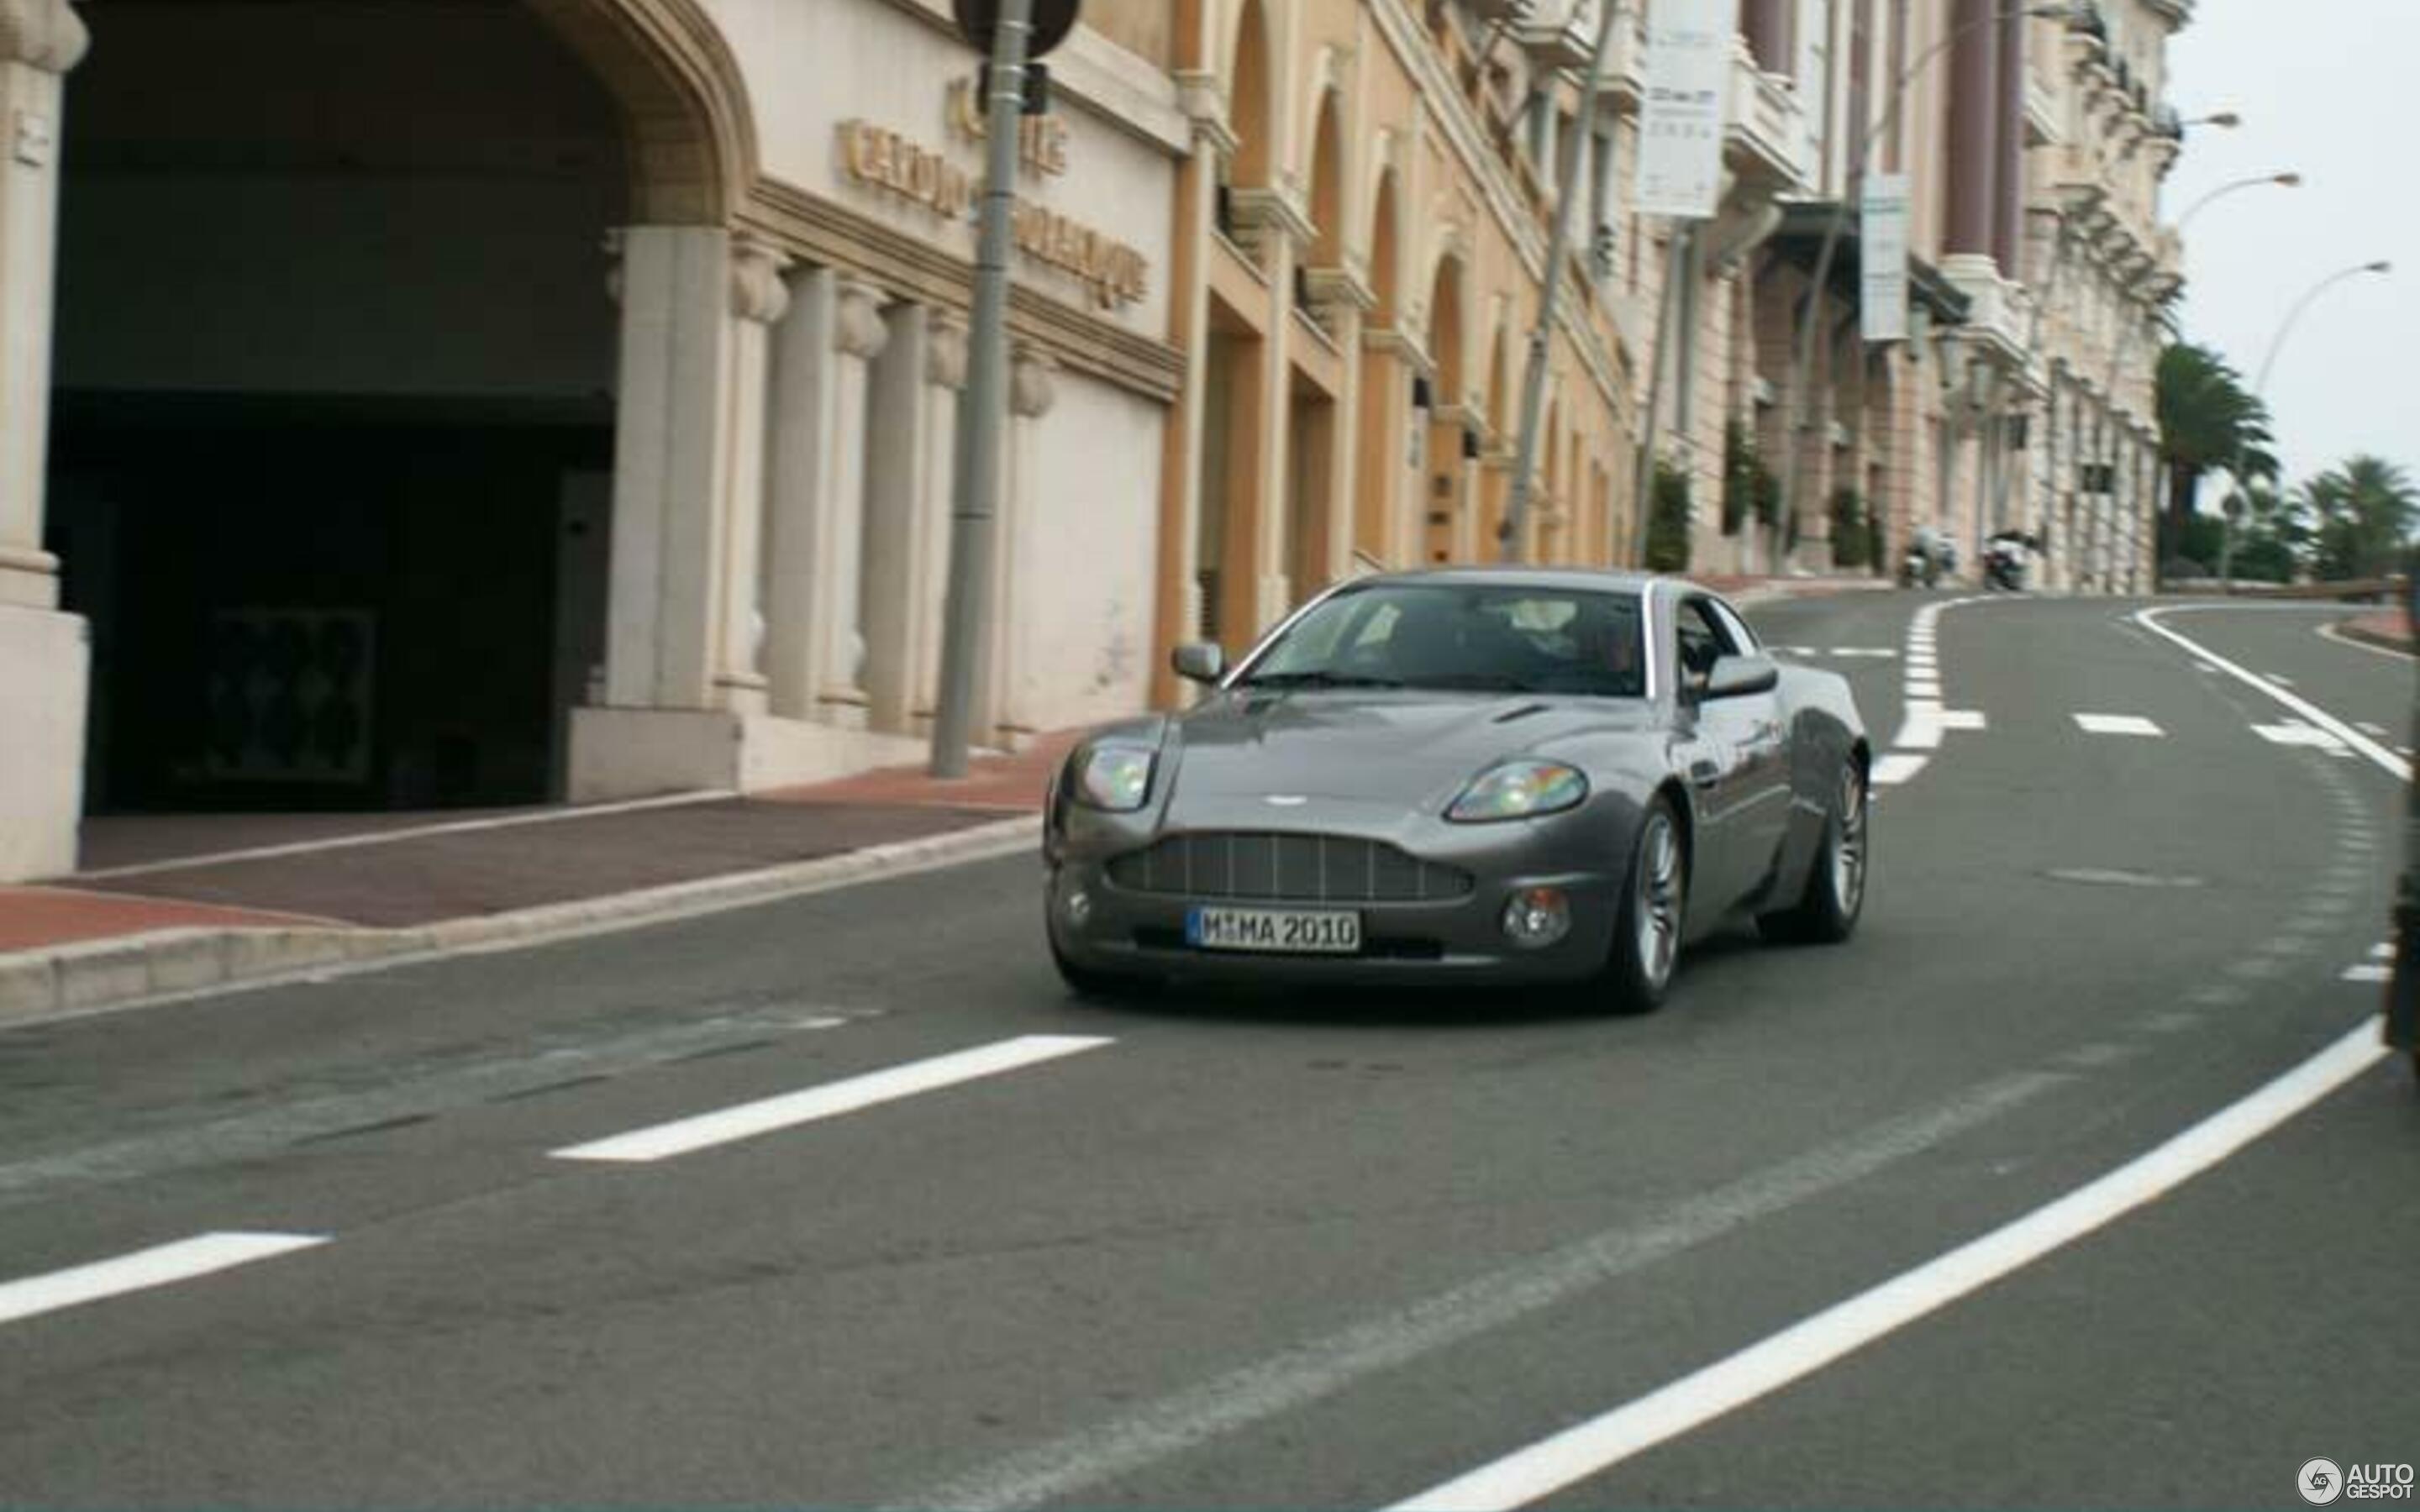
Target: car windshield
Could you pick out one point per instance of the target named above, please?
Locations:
(1464, 637)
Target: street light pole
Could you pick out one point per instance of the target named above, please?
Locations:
(2287, 180)
(1510, 537)
(1802, 368)
(975, 488)
(2259, 392)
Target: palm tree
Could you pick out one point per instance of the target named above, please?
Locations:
(2207, 420)
(2362, 515)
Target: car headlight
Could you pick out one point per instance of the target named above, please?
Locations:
(1519, 790)
(1116, 778)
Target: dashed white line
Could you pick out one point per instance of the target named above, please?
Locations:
(1592, 1447)
(2371, 973)
(2119, 724)
(2382, 952)
(156, 1267)
(2379, 731)
(2293, 733)
(748, 1119)
(1895, 768)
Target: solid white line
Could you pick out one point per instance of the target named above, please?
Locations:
(2368, 973)
(1896, 768)
(144, 1268)
(1605, 1441)
(2395, 764)
(748, 1119)
(2119, 724)
(389, 836)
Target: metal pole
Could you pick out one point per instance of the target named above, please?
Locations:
(1644, 484)
(2259, 393)
(975, 488)
(1510, 535)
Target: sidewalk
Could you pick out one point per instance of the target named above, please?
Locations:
(179, 903)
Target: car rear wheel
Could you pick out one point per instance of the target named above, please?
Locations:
(1647, 928)
(1829, 910)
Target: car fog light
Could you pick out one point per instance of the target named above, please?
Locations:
(1535, 917)
(1078, 906)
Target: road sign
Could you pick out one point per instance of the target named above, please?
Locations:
(1052, 20)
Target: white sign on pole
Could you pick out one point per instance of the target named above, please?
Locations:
(1882, 301)
(1681, 126)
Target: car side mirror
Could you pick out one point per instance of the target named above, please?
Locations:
(1739, 676)
(1199, 661)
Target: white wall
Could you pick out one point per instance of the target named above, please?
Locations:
(1085, 562)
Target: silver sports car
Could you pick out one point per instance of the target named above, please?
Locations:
(1482, 775)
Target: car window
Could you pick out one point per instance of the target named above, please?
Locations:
(1742, 639)
(1703, 640)
(1475, 636)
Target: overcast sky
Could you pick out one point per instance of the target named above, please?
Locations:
(2328, 88)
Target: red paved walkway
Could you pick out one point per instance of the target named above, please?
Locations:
(33, 917)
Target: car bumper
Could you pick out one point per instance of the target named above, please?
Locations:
(1458, 941)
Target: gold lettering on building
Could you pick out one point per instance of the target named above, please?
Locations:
(1041, 140)
(1114, 272)
(886, 159)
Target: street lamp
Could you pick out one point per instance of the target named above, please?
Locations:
(2259, 392)
(2287, 178)
(1803, 362)
(2226, 119)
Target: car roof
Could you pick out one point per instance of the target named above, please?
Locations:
(1575, 579)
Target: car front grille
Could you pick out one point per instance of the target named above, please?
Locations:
(1324, 868)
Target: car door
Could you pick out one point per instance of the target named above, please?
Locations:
(1733, 754)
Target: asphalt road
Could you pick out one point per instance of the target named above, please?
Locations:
(1313, 1251)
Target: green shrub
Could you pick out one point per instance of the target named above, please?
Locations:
(1852, 533)
(1749, 487)
(1670, 521)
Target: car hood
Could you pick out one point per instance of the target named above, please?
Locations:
(1404, 749)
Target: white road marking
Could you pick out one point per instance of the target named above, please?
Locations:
(1895, 768)
(1923, 687)
(156, 1267)
(2368, 973)
(2398, 767)
(1603, 1441)
(2379, 730)
(2281, 682)
(2329, 632)
(2382, 952)
(748, 1119)
(2119, 724)
(390, 837)
(1964, 720)
(1871, 652)
(2292, 733)
(1315, 1369)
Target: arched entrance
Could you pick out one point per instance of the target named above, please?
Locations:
(334, 383)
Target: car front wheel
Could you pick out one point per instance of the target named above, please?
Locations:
(1647, 928)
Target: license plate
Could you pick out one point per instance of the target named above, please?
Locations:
(1285, 930)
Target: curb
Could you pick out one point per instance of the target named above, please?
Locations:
(2352, 630)
(161, 966)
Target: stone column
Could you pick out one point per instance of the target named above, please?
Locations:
(1767, 25)
(2009, 145)
(44, 655)
(895, 457)
(814, 641)
(1974, 139)
(945, 377)
(671, 467)
(1033, 389)
(758, 298)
